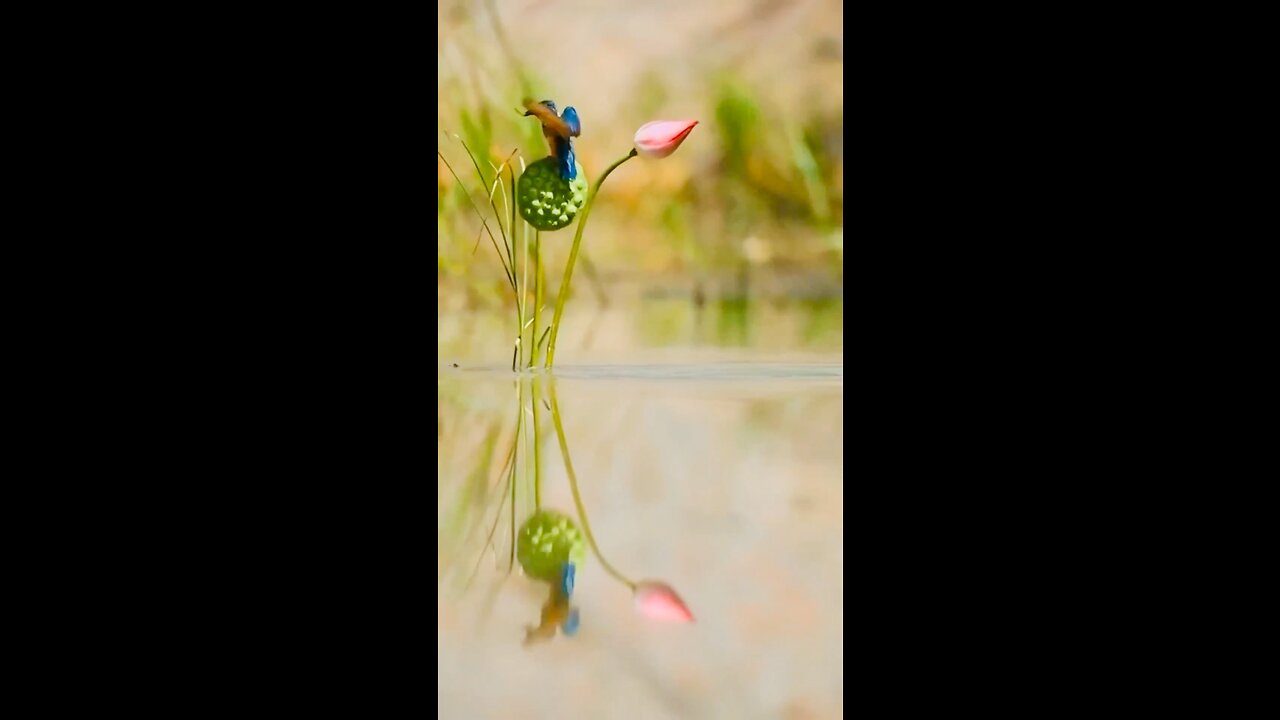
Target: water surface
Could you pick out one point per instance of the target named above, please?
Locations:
(721, 477)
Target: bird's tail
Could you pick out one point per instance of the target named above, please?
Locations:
(568, 164)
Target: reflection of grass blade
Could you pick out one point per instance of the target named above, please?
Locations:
(509, 469)
(488, 541)
(537, 440)
(511, 561)
(486, 464)
(475, 491)
(527, 475)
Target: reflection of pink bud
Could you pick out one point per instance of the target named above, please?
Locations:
(658, 601)
(660, 138)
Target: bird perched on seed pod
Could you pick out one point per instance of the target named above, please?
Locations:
(559, 130)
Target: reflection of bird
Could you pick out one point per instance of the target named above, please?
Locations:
(556, 612)
(566, 580)
(559, 131)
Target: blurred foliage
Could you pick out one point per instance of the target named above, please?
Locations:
(757, 187)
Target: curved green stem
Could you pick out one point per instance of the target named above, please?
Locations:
(538, 277)
(577, 499)
(573, 257)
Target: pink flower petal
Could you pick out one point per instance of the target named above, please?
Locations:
(658, 601)
(660, 138)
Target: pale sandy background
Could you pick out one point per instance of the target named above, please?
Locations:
(731, 491)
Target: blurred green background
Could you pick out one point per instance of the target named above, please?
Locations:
(743, 223)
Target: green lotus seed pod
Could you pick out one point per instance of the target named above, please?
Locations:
(547, 541)
(541, 187)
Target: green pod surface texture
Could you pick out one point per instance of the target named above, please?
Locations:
(546, 542)
(547, 201)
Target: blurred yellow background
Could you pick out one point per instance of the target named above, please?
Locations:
(756, 188)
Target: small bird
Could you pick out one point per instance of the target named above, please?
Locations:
(556, 612)
(559, 131)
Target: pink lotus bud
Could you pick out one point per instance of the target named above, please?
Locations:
(658, 601)
(660, 138)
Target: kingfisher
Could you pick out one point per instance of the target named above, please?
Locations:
(559, 131)
(556, 612)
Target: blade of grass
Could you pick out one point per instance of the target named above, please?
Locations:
(539, 280)
(484, 223)
(484, 183)
(521, 292)
(497, 183)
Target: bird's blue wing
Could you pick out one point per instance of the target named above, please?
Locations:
(569, 165)
(570, 626)
(566, 580)
(570, 118)
(563, 150)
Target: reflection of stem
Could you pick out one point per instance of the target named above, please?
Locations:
(573, 256)
(573, 485)
(511, 561)
(528, 475)
(537, 463)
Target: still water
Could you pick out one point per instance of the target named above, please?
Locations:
(716, 470)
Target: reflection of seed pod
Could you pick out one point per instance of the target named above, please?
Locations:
(547, 541)
(547, 201)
